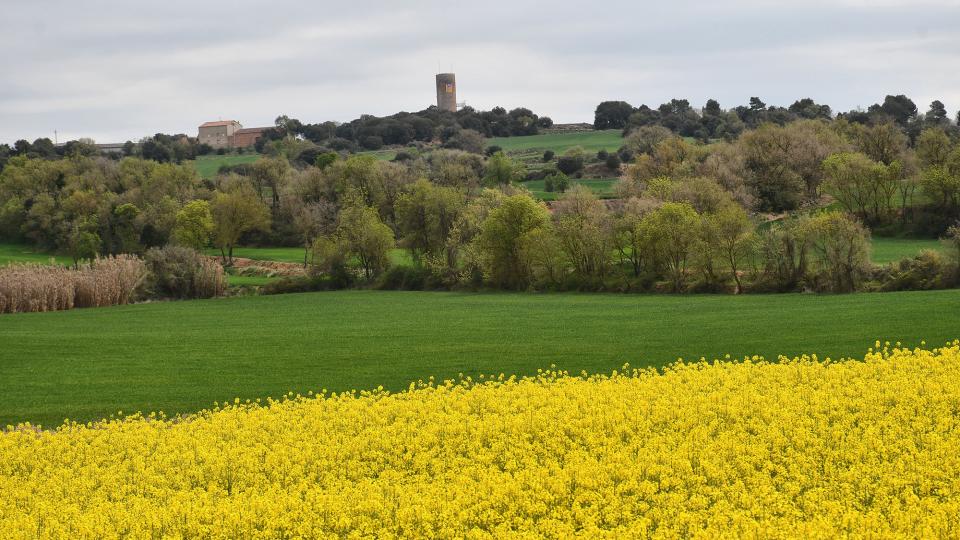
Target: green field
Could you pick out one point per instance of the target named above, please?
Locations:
(886, 250)
(208, 166)
(591, 141)
(603, 188)
(182, 356)
(20, 253)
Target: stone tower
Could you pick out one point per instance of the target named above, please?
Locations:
(447, 92)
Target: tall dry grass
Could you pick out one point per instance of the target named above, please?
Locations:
(106, 281)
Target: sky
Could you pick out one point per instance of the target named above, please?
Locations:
(116, 71)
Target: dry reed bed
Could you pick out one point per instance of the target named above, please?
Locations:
(106, 281)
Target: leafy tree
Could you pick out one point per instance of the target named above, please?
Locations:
(126, 228)
(732, 233)
(807, 108)
(235, 213)
(548, 156)
(937, 115)
(501, 170)
(899, 108)
(571, 162)
(503, 235)
(365, 237)
(194, 225)
(842, 248)
(425, 216)
(863, 186)
(82, 241)
(612, 115)
(585, 230)
(325, 159)
(933, 147)
(269, 177)
(673, 231)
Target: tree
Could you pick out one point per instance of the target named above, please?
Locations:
(467, 140)
(863, 186)
(842, 248)
(325, 159)
(612, 115)
(502, 237)
(937, 115)
(933, 147)
(644, 139)
(425, 215)
(501, 170)
(571, 162)
(673, 230)
(585, 230)
(194, 225)
(82, 242)
(270, 175)
(807, 108)
(733, 235)
(234, 214)
(126, 228)
(899, 108)
(884, 142)
(365, 237)
(627, 235)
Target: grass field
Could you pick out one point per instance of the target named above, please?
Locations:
(886, 250)
(208, 166)
(601, 187)
(591, 141)
(19, 253)
(183, 356)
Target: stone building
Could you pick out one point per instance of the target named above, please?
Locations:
(246, 137)
(218, 134)
(228, 134)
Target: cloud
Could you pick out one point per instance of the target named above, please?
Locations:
(116, 71)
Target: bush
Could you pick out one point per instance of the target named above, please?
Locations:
(602, 155)
(548, 156)
(928, 270)
(569, 165)
(613, 162)
(309, 283)
(104, 282)
(179, 272)
(492, 149)
(406, 278)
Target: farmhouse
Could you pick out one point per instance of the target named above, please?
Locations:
(228, 134)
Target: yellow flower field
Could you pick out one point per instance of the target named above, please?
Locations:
(798, 448)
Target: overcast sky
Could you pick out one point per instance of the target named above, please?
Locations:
(115, 71)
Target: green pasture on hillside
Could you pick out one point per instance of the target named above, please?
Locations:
(183, 356)
(591, 141)
(887, 250)
(603, 188)
(207, 166)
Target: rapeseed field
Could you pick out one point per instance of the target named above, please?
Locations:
(802, 447)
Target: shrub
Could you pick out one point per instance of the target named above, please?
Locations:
(492, 149)
(570, 164)
(179, 272)
(602, 155)
(548, 156)
(613, 162)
